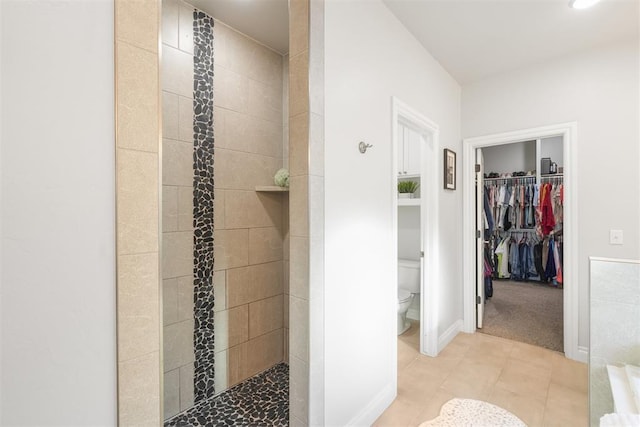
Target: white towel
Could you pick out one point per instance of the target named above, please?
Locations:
(620, 420)
(633, 376)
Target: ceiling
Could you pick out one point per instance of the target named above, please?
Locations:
(472, 39)
(266, 21)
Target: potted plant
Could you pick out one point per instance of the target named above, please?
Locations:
(406, 189)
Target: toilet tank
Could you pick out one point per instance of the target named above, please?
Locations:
(409, 275)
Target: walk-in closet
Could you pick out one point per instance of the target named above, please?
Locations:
(522, 216)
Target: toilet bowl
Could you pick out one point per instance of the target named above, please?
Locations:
(408, 287)
(404, 302)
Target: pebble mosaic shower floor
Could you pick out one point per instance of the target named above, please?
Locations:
(260, 401)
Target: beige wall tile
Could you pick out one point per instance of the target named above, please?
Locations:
(218, 208)
(231, 249)
(177, 71)
(185, 28)
(285, 355)
(298, 26)
(299, 205)
(299, 328)
(177, 254)
(169, 301)
(299, 145)
(232, 129)
(265, 245)
(266, 137)
(244, 209)
(220, 290)
(243, 171)
(251, 59)
(264, 351)
(287, 273)
(245, 285)
(251, 357)
(171, 388)
(221, 55)
(238, 325)
(169, 208)
(138, 23)
(316, 145)
(177, 163)
(178, 345)
(185, 119)
(299, 84)
(237, 364)
(170, 16)
(299, 268)
(299, 388)
(221, 365)
(137, 98)
(231, 90)
(221, 325)
(285, 312)
(138, 309)
(185, 208)
(265, 101)
(139, 391)
(186, 386)
(265, 316)
(185, 297)
(170, 115)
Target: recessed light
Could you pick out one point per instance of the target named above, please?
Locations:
(582, 4)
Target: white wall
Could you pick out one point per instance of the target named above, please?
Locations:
(370, 57)
(599, 90)
(58, 343)
(510, 158)
(552, 148)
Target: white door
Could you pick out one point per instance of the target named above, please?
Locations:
(479, 237)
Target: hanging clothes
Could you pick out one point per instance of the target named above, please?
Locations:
(548, 220)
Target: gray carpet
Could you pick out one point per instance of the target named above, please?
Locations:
(528, 312)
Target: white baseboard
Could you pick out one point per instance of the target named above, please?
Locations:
(375, 408)
(413, 313)
(449, 334)
(583, 354)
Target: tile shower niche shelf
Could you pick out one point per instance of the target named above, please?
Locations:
(271, 188)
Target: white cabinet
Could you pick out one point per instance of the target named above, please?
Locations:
(409, 152)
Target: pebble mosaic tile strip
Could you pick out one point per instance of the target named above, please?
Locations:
(260, 401)
(203, 141)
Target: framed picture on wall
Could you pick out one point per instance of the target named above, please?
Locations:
(449, 170)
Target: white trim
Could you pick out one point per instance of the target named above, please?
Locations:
(413, 314)
(616, 260)
(429, 218)
(569, 132)
(583, 354)
(450, 334)
(376, 407)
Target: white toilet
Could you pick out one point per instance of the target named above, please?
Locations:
(408, 287)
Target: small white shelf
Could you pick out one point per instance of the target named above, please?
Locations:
(271, 188)
(408, 202)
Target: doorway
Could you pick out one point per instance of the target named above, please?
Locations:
(423, 209)
(568, 133)
(520, 262)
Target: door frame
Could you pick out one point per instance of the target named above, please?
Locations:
(429, 220)
(569, 133)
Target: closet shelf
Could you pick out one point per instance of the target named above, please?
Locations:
(271, 188)
(408, 202)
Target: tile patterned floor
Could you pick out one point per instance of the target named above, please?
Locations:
(540, 386)
(262, 400)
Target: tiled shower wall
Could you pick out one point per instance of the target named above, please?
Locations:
(177, 206)
(250, 226)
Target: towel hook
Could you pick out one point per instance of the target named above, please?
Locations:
(363, 146)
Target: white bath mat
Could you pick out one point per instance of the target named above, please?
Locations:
(470, 412)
